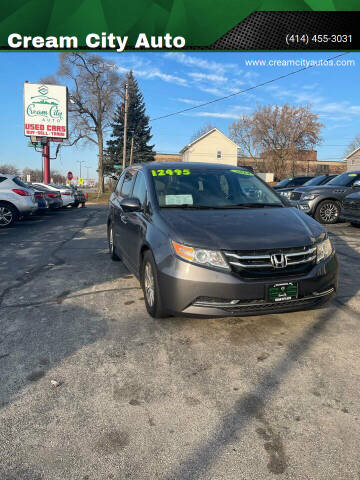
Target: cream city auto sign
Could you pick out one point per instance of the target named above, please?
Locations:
(45, 110)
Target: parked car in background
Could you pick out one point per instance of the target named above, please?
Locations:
(67, 195)
(16, 199)
(52, 197)
(40, 200)
(314, 182)
(286, 186)
(351, 207)
(323, 202)
(79, 195)
(215, 240)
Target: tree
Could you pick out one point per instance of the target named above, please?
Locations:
(282, 132)
(138, 129)
(353, 145)
(241, 132)
(94, 87)
(36, 175)
(9, 169)
(202, 130)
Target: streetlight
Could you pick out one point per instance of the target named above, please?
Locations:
(87, 174)
(80, 161)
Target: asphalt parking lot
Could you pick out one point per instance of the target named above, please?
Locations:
(264, 397)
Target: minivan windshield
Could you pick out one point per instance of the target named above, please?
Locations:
(198, 187)
(345, 179)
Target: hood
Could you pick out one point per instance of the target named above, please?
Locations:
(319, 188)
(238, 229)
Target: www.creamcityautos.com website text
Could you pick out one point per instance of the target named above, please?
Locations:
(300, 62)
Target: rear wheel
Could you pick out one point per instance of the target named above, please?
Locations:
(75, 205)
(112, 249)
(150, 287)
(327, 212)
(8, 215)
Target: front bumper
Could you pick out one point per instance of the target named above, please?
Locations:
(307, 206)
(187, 289)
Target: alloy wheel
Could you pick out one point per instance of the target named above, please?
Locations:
(111, 240)
(149, 284)
(6, 216)
(329, 212)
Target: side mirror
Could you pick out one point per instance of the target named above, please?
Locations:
(130, 204)
(356, 184)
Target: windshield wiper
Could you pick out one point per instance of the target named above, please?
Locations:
(252, 205)
(190, 206)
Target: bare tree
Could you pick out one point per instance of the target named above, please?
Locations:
(94, 87)
(241, 132)
(9, 169)
(201, 131)
(36, 175)
(282, 132)
(353, 145)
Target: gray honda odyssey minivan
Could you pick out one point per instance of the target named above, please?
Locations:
(215, 240)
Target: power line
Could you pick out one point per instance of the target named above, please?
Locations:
(245, 90)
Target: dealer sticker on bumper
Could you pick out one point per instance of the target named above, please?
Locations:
(281, 292)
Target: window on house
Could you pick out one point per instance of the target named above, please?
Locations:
(218, 155)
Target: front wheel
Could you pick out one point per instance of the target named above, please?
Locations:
(150, 287)
(8, 215)
(112, 249)
(327, 212)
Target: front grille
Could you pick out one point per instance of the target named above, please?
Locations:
(295, 195)
(272, 263)
(254, 306)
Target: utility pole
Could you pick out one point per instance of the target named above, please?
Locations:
(46, 157)
(125, 125)
(131, 149)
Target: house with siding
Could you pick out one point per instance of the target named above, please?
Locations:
(212, 147)
(353, 160)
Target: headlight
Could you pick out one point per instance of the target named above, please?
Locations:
(200, 256)
(309, 196)
(285, 194)
(323, 250)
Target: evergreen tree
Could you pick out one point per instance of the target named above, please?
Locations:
(138, 130)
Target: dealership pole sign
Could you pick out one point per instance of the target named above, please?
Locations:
(45, 110)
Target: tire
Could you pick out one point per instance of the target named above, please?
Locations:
(149, 282)
(75, 205)
(355, 224)
(327, 212)
(112, 249)
(8, 215)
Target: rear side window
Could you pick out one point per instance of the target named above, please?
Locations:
(128, 183)
(19, 182)
(140, 188)
(2, 179)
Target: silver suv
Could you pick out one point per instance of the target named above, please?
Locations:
(16, 199)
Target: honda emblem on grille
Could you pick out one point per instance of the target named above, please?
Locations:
(278, 260)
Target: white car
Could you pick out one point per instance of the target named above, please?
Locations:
(67, 195)
(16, 199)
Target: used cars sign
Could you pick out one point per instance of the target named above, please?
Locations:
(45, 110)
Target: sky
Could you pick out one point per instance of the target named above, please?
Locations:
(176, 80)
